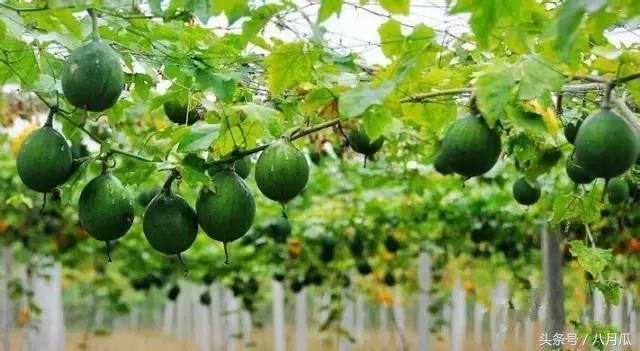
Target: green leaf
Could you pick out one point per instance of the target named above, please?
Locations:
(494, 88)
(569, 18)
(592, 259)
(257, 112)
(316, 99)
(573, 208)
(234, 9)
(375, 120)
(259, 18)
(356, 101)
(485, 15)
(45, 84)
(142, 85)
(105, 146)
(13, 22)
(610, 289)
(530, 121)
(19, 61)
(289, 65)
(199, 138)
(194, 171)
(223, 86)
(328, 8)
(539, 78)
(396, 6)
(69, 187)
(391, 38)
(531, 156)
(139, 174)
(435, 116)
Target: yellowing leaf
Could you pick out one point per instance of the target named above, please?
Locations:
(384, 297)
(4, 226)
(19, 139)
(548, 115)
(159, 123)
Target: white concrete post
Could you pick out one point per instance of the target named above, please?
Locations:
(458, 317)
(301, 320)
(279, 336)
(233, 320)
(217, 325)
(5, 300)
(424, 274)
(348, 319)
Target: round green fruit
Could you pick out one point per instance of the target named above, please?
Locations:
(606, 144)
(617, 190)
(362, 144)
(44, 160)
(470, 148)
(364, 268)
(170, 224)
(391, 243)
(525, 193)
(180, 113)
(226, 214)
(313, 276)
(173, 293)
(571, 130)
(282, 171)
(92, 76)
(297, 285)
(241, 166)
(356, 245)
(205, 298)
(327, 249)
(280, 230)
(577, 173)
(440, 165)
(389, 279)
(106, 208)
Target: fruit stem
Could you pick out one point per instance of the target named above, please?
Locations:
(105, 167)
(284, 210)
(44, 201)
(49, 121)
(346, 138)
(94, 23)
(473, 105)
(109, 250)
(559, 105)
(173, 176)
(184, 266)
(226, 252)
(606, 97)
